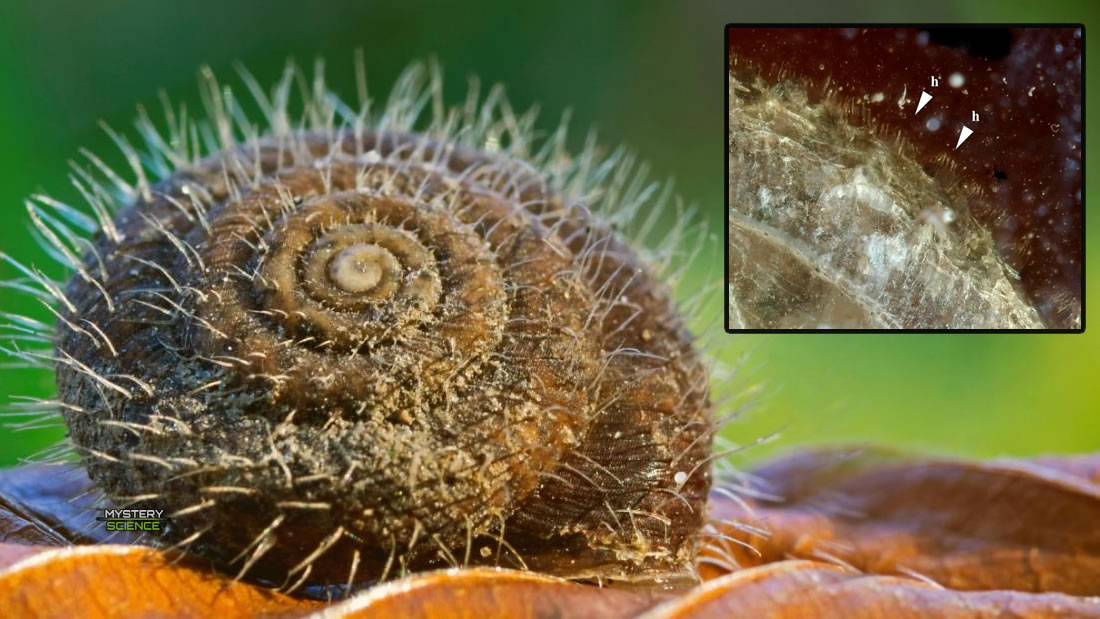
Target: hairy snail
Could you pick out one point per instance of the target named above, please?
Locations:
(366, 342)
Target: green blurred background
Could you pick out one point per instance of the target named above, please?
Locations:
(647, 74)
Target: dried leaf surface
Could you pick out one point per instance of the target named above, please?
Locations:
(1018, 525)
(48, 505)
(105, 580)
(808, 590)
(484, 592)
(921, 536)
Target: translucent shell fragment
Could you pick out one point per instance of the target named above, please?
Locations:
(833, 227)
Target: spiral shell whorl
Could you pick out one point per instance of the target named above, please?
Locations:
(344, 355)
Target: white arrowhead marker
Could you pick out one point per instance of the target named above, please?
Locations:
(924, 99)
(965, 133)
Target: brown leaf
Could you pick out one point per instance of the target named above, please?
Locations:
(807, 590)
(484, 592)
(1085, 466)
(48, 505)
(106, 580)
(1019, 525)
(1026, 526)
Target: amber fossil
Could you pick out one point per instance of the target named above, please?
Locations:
(833, 227)
(1017, 90)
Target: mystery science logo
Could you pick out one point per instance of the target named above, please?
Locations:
(152, 520)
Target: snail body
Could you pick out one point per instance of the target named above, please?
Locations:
(341, 352)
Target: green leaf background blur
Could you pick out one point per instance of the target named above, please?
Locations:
(649, 74)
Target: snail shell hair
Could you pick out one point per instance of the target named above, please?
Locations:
(363, 340)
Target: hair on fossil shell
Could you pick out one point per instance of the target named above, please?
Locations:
(847, 210)
(367, 341)
(831, 228)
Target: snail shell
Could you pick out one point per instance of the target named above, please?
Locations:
(334, 355)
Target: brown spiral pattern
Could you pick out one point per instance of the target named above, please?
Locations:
(340, 360)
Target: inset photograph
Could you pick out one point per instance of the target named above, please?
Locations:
(905, 178)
